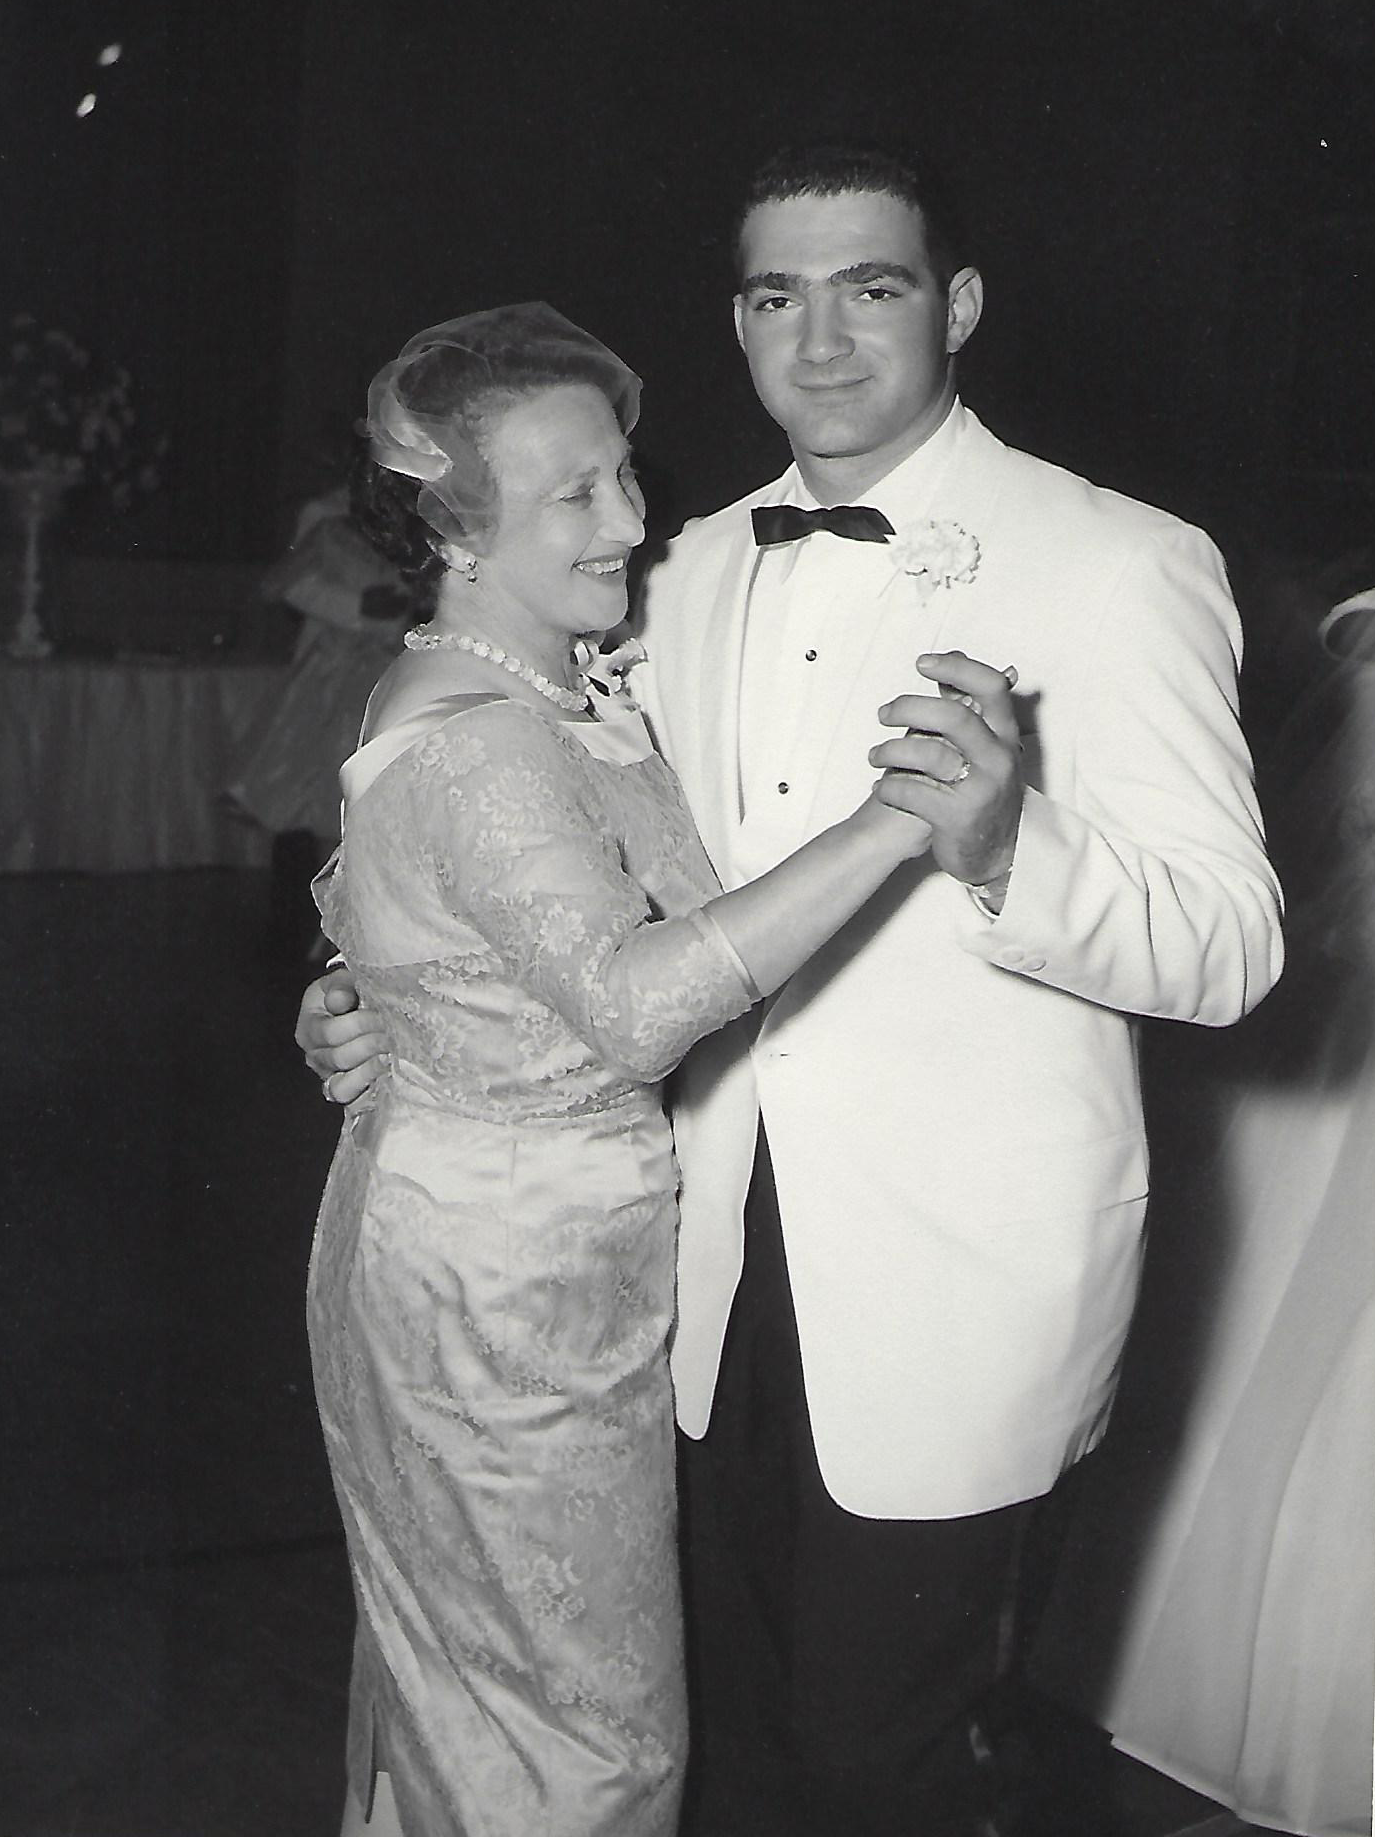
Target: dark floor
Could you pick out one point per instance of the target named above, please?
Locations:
(174, 1607)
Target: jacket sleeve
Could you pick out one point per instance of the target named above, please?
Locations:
(1143, 883)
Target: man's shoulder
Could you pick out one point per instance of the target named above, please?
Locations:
(1047, 490)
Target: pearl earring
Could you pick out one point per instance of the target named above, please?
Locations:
(464, 564)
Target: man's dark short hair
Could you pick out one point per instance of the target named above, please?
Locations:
(827, 171)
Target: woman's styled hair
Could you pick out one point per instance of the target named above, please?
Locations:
(830, 171)
(430, 412)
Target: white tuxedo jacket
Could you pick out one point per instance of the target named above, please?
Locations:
(952, 1102)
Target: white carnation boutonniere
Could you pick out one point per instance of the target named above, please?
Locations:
(936, 553)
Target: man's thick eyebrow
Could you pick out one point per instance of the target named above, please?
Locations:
(864, 272)
(772, 283)
(861, 274)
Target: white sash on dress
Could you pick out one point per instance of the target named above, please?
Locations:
(618, 736)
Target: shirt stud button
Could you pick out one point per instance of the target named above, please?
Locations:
(811, 656)
(782, 788)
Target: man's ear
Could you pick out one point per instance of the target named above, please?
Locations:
(740, 320)
(966, 304)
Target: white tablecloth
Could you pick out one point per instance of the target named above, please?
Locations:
(123, 765)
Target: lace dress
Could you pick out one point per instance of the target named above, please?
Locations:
(491, 1286)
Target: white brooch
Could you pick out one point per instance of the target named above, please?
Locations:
(609, 669)
(623, 659)
(936, 553)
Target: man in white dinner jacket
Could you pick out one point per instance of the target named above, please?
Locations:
(913, 1194)
(942, 1109)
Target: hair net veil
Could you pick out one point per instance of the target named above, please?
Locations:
(424, 407)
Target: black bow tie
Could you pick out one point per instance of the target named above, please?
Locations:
(787, 523)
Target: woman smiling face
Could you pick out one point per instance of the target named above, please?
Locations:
(568, 514)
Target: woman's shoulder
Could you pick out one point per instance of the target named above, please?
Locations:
(409, 685)
(489, 731)
(502, 763)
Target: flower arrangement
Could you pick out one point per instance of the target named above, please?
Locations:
(68, 423)
(936, 553)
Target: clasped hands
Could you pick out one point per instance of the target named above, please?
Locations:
(958, 766)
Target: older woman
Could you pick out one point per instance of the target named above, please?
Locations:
(523, 900)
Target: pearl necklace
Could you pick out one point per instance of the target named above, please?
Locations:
(426, 638)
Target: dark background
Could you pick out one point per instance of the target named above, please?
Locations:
(1173, 204)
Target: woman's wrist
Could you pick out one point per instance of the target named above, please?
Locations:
(893, 833)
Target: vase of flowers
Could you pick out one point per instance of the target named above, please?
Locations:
(64, 427)
(35, 499)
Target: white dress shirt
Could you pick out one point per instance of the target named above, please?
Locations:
(811, 601)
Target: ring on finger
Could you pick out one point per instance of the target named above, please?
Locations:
(961, 775)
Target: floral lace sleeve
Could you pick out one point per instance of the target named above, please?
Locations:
(521, 850)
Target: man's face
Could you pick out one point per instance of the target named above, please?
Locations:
(847, 330)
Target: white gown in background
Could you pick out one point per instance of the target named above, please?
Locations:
(1242, 1660)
